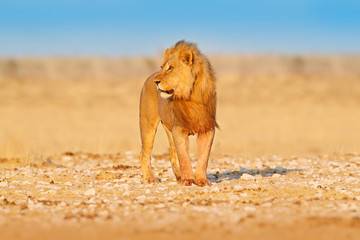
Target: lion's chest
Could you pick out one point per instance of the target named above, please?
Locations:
(191, 116)
(165, 113)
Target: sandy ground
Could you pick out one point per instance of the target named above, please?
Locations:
(285, 163)
(93, 196)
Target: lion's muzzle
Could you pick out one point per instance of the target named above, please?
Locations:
(165, 94)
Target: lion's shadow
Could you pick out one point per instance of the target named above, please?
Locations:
(268, 172)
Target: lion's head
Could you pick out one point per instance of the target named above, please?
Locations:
(179, 69)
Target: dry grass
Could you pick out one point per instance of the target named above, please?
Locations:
(267, 104)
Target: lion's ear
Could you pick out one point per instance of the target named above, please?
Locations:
(187, 57)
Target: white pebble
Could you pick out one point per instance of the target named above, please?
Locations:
(276, 175)
(43, 183)
(4, 184)
(53, 192)
(90, 192)
(267, 204)
(249, 209)
(92, 201)
(347, 193)
(319, 195)
(351, 180)
(125, 186)
(160, 205)
(67, 158)
(137, 181)
(338, 188)
(103, 214)
(234, 197)
(141, 198)
(128, 152)
(246, 176)
(68, 184)
(238, 188)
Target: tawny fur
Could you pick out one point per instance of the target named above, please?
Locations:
(182, 96)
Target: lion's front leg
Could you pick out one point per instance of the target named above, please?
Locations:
(205, 141)
(181, 140)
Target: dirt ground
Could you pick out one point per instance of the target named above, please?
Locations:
(285, 163)
(96, 196)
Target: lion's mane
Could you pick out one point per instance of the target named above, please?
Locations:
(197, 114)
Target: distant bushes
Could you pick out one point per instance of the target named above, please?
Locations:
(251, 68)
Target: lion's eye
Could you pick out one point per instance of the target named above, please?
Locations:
(170, 68)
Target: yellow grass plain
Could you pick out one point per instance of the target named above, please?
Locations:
(69, 148)
(266, 105)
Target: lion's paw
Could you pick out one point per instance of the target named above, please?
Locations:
(187, 182)
(152, 181)
(202, 182)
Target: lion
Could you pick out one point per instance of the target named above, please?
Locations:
(182, 96)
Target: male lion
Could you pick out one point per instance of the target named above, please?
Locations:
(182, 96)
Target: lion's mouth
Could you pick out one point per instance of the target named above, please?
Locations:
(168, 92)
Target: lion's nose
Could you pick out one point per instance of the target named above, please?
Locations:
(157, 82)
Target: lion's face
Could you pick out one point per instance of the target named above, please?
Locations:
(175, 79)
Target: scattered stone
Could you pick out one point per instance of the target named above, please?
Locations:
(267, 204)
(238, 188)
(280, 170)
(141, 198)
(69, 184)
(247, 177)
(90, 192)
(67, 158)
(4, 184)
(319, 195)
(126, 193)
(234, 197)
(249, 209)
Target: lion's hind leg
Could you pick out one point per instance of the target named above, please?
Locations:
(149, 120)
(147, 139)
(173, 155)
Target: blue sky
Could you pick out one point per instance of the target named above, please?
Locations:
(145, 28)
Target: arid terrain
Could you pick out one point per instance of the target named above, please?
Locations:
(284, 164)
